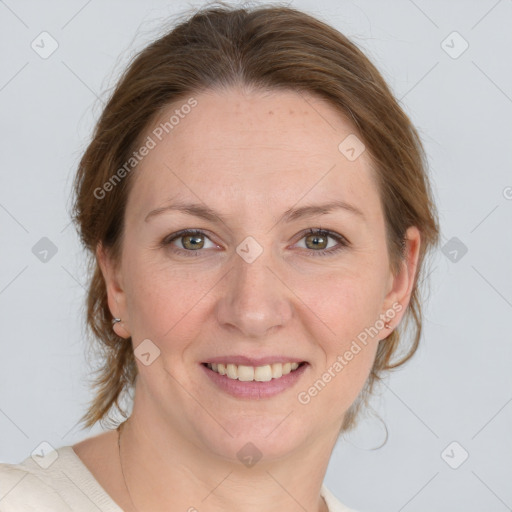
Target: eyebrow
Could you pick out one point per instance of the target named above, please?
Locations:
(204, 212)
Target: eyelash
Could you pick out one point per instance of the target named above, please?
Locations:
(342, 241)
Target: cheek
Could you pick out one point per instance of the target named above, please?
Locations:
(350, 308)
(157, 298)
(347, 302)
(349, 305)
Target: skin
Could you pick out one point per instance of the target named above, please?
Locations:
(249, 155)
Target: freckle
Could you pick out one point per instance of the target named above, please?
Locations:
(271, 112)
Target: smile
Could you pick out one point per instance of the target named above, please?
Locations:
(254, 382)
(245, 373)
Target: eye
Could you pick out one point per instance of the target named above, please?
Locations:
(317, 241)
(189, 241)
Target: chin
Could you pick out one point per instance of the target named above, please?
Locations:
(266, 439)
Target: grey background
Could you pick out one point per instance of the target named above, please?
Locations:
(457, 388)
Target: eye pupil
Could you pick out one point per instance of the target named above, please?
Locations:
(316, 244)
(193, 240)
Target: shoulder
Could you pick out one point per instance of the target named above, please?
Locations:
(22, 490)
(54, 480)
(333, 503)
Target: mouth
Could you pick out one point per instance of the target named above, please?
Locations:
(254, 382)
(244, 373)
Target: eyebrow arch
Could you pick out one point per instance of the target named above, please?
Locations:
(195, 209)
(292, 214)
(319, 209)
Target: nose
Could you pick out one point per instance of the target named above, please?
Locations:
(254, 300)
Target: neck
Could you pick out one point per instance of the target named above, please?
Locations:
(163, 471)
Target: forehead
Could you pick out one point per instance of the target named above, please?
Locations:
(259, 147)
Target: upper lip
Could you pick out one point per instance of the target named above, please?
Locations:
(253, 361)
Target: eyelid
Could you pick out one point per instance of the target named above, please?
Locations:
(321, 231)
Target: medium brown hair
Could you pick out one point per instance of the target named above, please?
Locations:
(269, 47)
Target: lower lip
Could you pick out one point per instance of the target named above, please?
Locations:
(255, 389)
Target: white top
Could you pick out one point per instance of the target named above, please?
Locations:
(66, 484)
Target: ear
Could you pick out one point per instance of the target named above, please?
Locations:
(115, 290)
(402, 283)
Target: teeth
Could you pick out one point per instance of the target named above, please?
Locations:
(277, 370)
(231, 372)
(251, 373)
(245, 373)
(262, 373)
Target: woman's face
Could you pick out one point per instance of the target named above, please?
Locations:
(256, 284)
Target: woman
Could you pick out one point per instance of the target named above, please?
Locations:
(258, 210)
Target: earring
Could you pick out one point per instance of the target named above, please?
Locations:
(386, 325)
(116, 328)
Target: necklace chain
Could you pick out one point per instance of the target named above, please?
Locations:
(119, 428)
